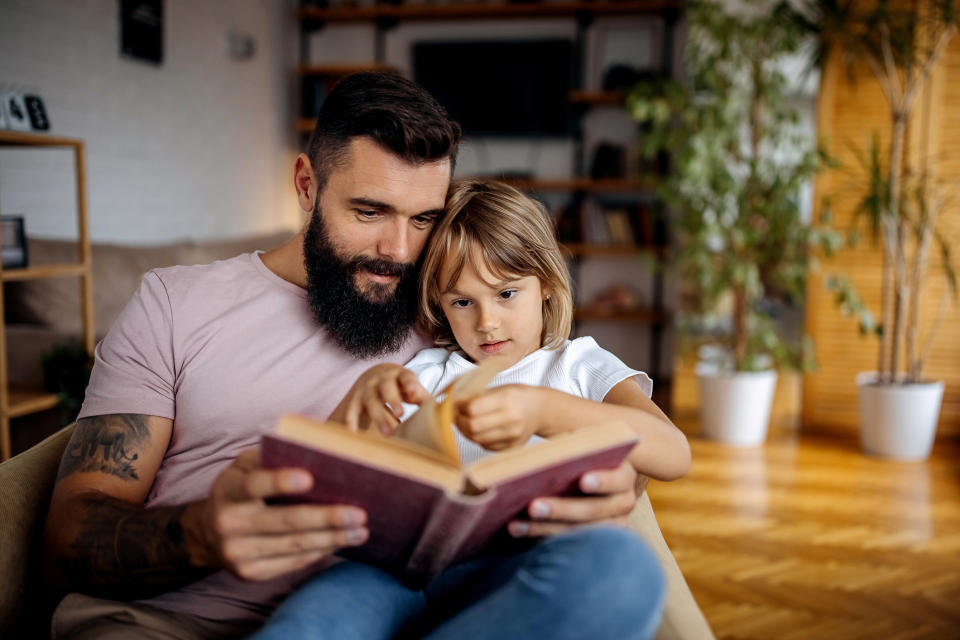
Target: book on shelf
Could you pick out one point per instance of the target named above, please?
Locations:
(425, 510)
(619, 227)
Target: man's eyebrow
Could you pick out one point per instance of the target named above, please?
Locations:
(372, 204)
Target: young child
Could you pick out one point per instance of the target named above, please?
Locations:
(495, 285)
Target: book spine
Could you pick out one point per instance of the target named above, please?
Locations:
(450, 524)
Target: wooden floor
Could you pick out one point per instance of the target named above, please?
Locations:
(809, 538)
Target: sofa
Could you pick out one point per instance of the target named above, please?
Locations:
(41, 313)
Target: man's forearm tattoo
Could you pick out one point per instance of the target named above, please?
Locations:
(124, 551)
(110, 444)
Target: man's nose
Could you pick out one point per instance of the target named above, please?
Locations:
(394, 242)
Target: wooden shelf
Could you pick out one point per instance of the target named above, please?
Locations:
(17, 401)
(36, 139)
(590, 185)
(491, 11)
(636, 316)
(21, 402)
(339, 69)
(613, 250)
(44, 271)
(598, 97)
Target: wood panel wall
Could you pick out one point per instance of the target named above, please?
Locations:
(850, 112)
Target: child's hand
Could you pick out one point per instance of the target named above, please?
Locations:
(376, 398)
(501, 417)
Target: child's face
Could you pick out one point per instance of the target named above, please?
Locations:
(491, 317)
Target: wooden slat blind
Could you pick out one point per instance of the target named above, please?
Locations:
(849, 115)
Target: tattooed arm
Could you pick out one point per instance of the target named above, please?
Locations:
(100, 539)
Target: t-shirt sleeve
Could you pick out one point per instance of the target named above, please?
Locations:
(134, 369)
(595, 371)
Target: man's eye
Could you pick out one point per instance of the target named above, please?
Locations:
(424, 221)
(366, 213)
(509, 293)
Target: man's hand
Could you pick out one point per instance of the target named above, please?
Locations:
(613, 494)
(376, 399)
(236, 530)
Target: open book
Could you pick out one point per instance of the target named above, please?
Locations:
(424, 510)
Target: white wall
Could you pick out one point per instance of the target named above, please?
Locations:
(200, 147)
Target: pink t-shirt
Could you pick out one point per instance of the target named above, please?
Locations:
(223, 350)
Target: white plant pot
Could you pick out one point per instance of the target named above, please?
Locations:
(898, 420)
(735, 407)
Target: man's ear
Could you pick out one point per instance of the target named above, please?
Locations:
(305, 183)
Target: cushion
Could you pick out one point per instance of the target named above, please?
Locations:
(117, 270)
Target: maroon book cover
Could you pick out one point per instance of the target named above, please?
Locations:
(417, 529)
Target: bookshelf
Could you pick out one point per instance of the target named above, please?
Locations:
(18, 401)
(580, 187)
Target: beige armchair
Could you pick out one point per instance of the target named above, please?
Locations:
(27, 480)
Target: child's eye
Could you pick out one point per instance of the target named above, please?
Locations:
(460, 304)
(509, 293)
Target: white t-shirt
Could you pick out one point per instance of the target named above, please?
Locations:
(578, 367)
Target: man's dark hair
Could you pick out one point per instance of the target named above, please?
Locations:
(396, 113)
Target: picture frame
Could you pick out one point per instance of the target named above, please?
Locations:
(13, 239)
(141, 30)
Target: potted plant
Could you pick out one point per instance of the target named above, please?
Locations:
(903, 204)
(742, 247)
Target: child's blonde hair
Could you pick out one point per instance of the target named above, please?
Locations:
(514, 236)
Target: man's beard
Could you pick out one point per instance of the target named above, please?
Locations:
(366, 324)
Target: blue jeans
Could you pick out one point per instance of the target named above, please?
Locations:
(597, 582)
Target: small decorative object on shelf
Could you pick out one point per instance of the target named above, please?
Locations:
(14, 242)
(21, 112)
(17, 117)
(617, 297)
(36, 112)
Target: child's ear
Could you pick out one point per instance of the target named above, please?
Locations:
(546, 293)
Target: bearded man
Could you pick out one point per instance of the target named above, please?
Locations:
(159, 522)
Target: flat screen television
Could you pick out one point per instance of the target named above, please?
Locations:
(512, 88)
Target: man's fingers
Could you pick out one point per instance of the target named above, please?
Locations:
(265, 483)
(242, 550)
(255, 518)
(604, 481)
(591, 509)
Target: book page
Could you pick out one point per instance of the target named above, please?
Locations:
(432, 425)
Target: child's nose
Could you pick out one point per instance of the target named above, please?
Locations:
(488, 320)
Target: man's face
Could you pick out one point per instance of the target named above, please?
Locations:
(365, 237)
